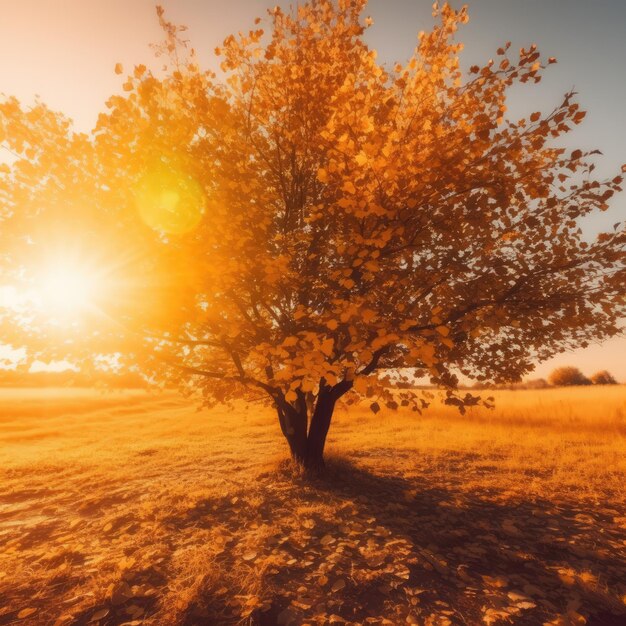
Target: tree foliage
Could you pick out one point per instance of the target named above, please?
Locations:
(316, 223)
(603, 377)
(566, 376)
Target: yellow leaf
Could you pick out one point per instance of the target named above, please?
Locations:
(327, 346)
(426, 353)
(366, 356)
(443, 330)
(100, 614)
(332, 324)
(118, 68)
(368, 315)
(307, 385)
(139, 70)
(349, 187)
(360, 385)
(361, 158)
(322, 176)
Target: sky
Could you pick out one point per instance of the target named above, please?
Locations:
(64, 51)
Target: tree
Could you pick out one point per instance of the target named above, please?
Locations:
(317, 227)
(566, 376)
(603, 377)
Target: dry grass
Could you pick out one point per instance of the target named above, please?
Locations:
(133, 508)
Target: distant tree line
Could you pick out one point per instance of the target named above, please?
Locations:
(568, 375)
(70, 378)
(560, 377)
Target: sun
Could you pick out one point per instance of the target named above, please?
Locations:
(67, 290)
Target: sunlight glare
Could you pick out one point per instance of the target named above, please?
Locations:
(66, 290)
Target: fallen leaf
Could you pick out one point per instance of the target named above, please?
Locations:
(494, 581)
(26, 613)
(302, 603)
(376, 560)
(516, 595)
(525, 605)
(135, 611)
(100, 614)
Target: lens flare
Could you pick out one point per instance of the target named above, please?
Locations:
(169, 200)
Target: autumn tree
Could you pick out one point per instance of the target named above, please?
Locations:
(603, 377)
(567, 376)
(314, 226)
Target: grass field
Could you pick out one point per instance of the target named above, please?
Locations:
(132, 508)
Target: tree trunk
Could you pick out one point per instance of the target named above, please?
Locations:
(293, 423)
(307, 442)
(307, 448)
(316, 439)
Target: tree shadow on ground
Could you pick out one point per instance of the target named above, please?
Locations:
(486, 558)
(357, 546)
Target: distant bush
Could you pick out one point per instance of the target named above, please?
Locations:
(603, 378)
(565, 376)
(537, 383)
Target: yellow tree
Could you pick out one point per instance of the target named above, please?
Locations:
(316, 226)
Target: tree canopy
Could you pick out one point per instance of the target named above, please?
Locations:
(603, 377)
(567, 376)
(313, 223)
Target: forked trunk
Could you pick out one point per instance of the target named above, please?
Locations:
(307, 444)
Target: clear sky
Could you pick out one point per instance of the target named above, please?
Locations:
(65, 51)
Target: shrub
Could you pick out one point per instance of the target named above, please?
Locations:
(565, 376)
(537, 383)
(603, 377)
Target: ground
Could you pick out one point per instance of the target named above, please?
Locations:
(133, 508)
